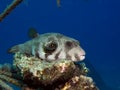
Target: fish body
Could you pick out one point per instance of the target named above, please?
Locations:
(50, 47)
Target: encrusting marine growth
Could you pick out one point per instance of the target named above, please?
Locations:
(47, 61)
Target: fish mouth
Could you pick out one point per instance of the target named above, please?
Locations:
(82, 57)
(78, 57)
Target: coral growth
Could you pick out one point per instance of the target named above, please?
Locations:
(80, 82)
(30, 73)
(42, 72)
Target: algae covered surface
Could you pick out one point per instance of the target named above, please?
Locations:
(31, 73)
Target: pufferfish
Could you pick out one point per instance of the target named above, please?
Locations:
(50, 47)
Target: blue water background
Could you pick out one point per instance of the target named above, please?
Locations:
(95, 23)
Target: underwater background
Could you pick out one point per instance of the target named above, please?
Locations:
(95, 23)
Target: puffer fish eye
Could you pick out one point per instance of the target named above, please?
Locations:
(50, 47)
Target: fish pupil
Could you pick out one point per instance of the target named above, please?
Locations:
(50, 47)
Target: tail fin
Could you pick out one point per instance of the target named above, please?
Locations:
(14, 49)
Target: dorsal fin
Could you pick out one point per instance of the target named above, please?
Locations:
(32, 33)
(58, 3)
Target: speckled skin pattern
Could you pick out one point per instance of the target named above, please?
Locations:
(50, 47)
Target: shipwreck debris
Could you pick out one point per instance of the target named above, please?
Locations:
(9, 8)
